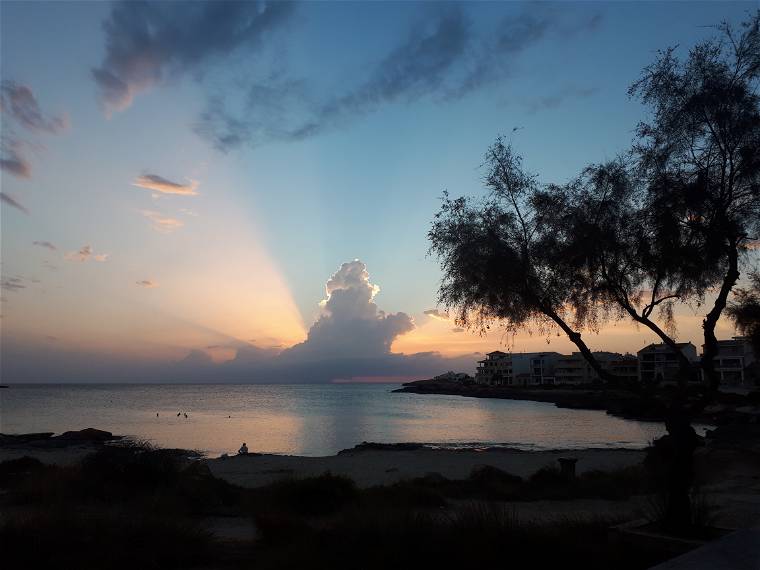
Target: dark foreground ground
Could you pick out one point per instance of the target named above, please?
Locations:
(126, 505)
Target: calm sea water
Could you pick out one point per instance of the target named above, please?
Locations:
(309, 419)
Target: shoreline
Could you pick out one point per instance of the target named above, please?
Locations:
(368, 464)
(615, 402)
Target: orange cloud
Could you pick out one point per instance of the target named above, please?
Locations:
(160, 184)
(162, 223)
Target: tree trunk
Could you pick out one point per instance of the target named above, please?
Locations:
(683, 363)
(575, 337)
(710, 349)
(682, 442)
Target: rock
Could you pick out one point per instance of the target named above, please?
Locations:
(23, 438)
(87, 435)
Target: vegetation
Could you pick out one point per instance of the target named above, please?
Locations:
(138, 507)
(669, 222)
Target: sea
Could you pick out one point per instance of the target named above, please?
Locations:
(309, 419)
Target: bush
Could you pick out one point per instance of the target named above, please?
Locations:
(95, 540)
(311, 496)
(13, 471)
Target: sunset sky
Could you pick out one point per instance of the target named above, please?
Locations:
(185, 187)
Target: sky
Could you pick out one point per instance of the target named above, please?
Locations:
(242, 191)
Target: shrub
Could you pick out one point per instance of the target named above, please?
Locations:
(312, 496)
(14, 471)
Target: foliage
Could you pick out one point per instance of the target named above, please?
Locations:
(745, 311)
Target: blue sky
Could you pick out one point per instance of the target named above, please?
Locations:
(401, 100)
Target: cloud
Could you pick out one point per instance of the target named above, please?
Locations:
(20, 103)
(351, 325)
(161, 184)
(162, 223)
(554, 100)
(415, 68)
(351, 339)
(147, 284)
(457, 330)
(441, 59)
(148, 42)
(86, 253)
(46, 245)
(12, 284)
(436, 314)
(12, 159)
(11, 201)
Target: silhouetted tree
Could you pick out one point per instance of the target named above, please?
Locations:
(629, 238)
(699, 157)
(498, 264)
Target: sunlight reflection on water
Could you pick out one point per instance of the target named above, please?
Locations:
(309, 419)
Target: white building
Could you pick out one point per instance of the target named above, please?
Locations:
(573, 369)
(659, 363)
(734, 363)
(525, 369)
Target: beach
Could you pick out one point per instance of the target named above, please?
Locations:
(370, 467)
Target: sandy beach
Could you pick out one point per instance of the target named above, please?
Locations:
(381, 467)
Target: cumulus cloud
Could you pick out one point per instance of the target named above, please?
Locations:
(147, 284)
(148, 42)
(46, 245)
(436, 314)
(21, 104)
(351, 325)
(162, 223)
(85, 253)
(160, 184)
(6, 198)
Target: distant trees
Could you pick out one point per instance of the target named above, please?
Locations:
(670, 222)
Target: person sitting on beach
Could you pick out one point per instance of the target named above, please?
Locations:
(243, 449)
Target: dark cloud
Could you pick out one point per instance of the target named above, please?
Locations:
(20, 103)
(46, 245)
(12, 284)
(147, 284)
(457, 330)
(441, 60)
(12, 159)
(8, 199)
(148, 42)
(555, 100)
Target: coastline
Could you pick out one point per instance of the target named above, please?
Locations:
(616, 402)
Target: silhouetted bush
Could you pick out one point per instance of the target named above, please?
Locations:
(311, 496)
(15, 470)
(476, 535)
(112, 539)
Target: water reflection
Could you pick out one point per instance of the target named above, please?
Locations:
(308, 419)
